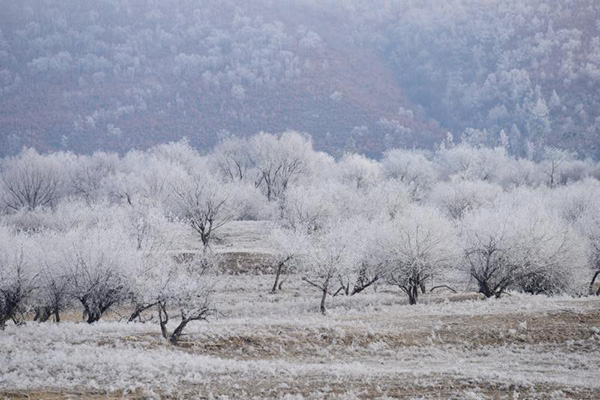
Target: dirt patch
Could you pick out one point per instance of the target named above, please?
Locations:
(318, 387)
(64, 395)
(366, 348)
(576, 330)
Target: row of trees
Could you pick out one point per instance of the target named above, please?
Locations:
(507, 245)
(102, 230)
(266, 165)
(109, 258)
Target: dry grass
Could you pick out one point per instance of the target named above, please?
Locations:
(385, 339)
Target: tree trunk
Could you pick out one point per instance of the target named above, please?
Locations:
(591, 290)
(204, 237)
(94, 316)
(277, 275)
(56, 314)
(413, 291)
(42, 314)
(323, 297)
(174, 339)
(269, 192)
(163, 319)
(413, 294)
(485, 289)
(163, 330)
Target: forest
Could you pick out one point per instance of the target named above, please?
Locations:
(115, 75)
(300, 199)
(237, 271)
(102, 231)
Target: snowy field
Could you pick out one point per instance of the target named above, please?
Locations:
(399, 241)
(371, 345)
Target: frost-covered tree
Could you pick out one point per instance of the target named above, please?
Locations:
(419, 243)
(53, 292)
(458, 197)
(553, 160)
(203, 203)
(231, 159)
(310, 207)
(180, 154)
(575, 201)
(358, 171)
(521, 245)
(589, 225)
(144, 177)
(412, 168)
(279, 161)
(153, 236)
(89, 173)
(189, 291)
(522, 173)
(96, 261)
(17, 278)
(387, 199)
(465, 162)
(289, 246)
(332, 255)
(30, 180)
(371, 255)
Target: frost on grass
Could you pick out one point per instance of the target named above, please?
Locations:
(397, 343)
(265, 268)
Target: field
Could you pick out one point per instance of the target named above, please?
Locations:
(372, 345)
(272, 346)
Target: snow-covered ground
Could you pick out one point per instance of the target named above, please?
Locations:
(371, 345)
(262, 345)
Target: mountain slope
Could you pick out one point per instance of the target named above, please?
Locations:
(116, 74)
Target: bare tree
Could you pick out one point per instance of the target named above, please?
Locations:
(279, 160)
(29, 181)
(17, 279)
(521, 244)
(552, 163)
(457, 198)
(589, 224)
(419, 244)
(203, 203)
(412, 168)
(490, 265)
(332, 253)
(231, 158)
(13, 294)
(96, 261)
(358, 171)
(153, 236)
(88, 175)
(290, 246)
(189, 292)
(53, 293)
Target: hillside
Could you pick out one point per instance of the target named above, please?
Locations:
(121, 74)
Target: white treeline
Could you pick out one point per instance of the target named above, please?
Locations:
(99, 233)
